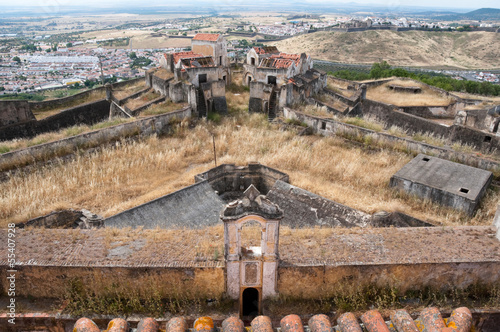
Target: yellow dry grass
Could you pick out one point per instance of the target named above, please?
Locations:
(427, 97)
(131, 173)
(16, 144)
(142, 99)
(163, 73)
(163, 107)
(128, 90)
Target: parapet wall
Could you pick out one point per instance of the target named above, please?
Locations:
(231, 178)
(330, 127)
(159, 124)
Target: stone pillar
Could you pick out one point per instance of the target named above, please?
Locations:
(363, 91)
(496, 222)
(109, 92)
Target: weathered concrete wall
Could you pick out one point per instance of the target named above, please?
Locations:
(261, 75)
(196, 206)
(305, 209)
(160, 85)
(331, 127)
(389, 115)
(319, 281)
(159, 124)
(48, 104)
(229, 178)
(260, 94)
(14, 112)
(215, 95)
(89, 114)
(217, 49)
(55, 281)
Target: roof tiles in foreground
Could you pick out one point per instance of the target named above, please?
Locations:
(430, 319)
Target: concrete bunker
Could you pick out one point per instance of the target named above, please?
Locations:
(447, 183)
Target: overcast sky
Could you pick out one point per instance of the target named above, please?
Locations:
(216, 3)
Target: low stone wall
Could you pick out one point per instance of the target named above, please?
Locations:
(331, 127)
(88, 114)
(159, 124)
(349, 101)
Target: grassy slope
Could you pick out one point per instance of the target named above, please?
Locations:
(410, 48)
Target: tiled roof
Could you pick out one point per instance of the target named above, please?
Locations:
(185, 55)
(282, 60)
(430, 319)
(266, 50)
(207, 36)
(198, 62)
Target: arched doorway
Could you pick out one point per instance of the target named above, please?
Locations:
(250, 302)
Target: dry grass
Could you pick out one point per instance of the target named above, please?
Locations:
(427, 97)
(128, 90)
(339, 87)
(16, 144)
(142, 99)
(331, 101)
(163, 73)
(318, 111)
(163, 107)
(133, 173)
(92, 96)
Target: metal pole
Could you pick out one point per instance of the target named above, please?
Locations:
(215, 155)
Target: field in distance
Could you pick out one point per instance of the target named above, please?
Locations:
(471, 50)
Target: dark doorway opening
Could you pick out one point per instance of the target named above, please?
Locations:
(202, 78)
(252, 61)
(250, 302)
(220, 61)
(249, 79)
(271, 80)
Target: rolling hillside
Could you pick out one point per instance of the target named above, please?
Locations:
(471, 50)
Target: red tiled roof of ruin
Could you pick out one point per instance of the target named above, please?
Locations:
(185, 55)
(207, 36)
(281, 60)
(266, 50)
(430, 319)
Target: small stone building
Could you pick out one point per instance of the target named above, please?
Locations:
(278, 79)
(199, 75)
(442, 181)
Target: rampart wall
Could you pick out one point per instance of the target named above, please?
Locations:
(329, 127)
(88, 114)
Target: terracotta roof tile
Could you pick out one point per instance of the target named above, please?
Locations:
(266, 50)
(372, 321)
(185, 55)
(207, 36)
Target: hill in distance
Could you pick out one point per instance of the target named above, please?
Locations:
(483, 14)
(470, 50)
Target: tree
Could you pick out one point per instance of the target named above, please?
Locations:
(132, 55)
(69, 45)
(379, 69)
(16, 59)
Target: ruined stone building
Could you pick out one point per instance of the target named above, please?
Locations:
(278, 79)
(198, 76)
